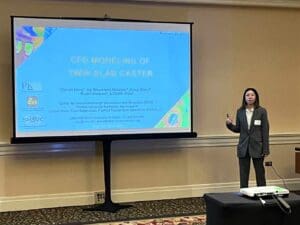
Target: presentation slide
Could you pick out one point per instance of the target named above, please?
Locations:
(86, 77)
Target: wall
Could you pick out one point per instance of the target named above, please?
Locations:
(233, 48)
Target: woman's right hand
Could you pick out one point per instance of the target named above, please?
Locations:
(228, 120)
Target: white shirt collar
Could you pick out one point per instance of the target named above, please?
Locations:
(249, 110)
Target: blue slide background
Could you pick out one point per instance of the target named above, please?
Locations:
(48, 71)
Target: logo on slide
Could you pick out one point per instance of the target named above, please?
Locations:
(32, 101)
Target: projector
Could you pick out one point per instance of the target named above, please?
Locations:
(264, 191)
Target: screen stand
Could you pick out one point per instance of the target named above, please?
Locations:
(108, 205)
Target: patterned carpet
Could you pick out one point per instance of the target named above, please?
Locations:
(185, 211)
(184, 220)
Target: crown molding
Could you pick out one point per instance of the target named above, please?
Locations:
(257, 3)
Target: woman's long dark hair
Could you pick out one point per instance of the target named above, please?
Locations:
(256, 103)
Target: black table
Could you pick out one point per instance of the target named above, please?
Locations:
(235, 209)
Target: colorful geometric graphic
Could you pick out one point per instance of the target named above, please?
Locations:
(28, 39)
(179, 115)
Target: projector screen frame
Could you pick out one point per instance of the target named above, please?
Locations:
(39, 139)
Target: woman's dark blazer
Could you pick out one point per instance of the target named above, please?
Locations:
(255, 139)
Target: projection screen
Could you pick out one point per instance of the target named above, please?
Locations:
(77, 78)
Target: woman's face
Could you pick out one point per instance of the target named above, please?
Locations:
(250, 97)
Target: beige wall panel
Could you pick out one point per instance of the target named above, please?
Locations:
(50, 173)
(191, 166)
(233, 48)
(236, 48)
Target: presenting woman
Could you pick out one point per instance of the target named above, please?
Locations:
(253, 125)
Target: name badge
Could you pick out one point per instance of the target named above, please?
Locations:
(257, 122)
